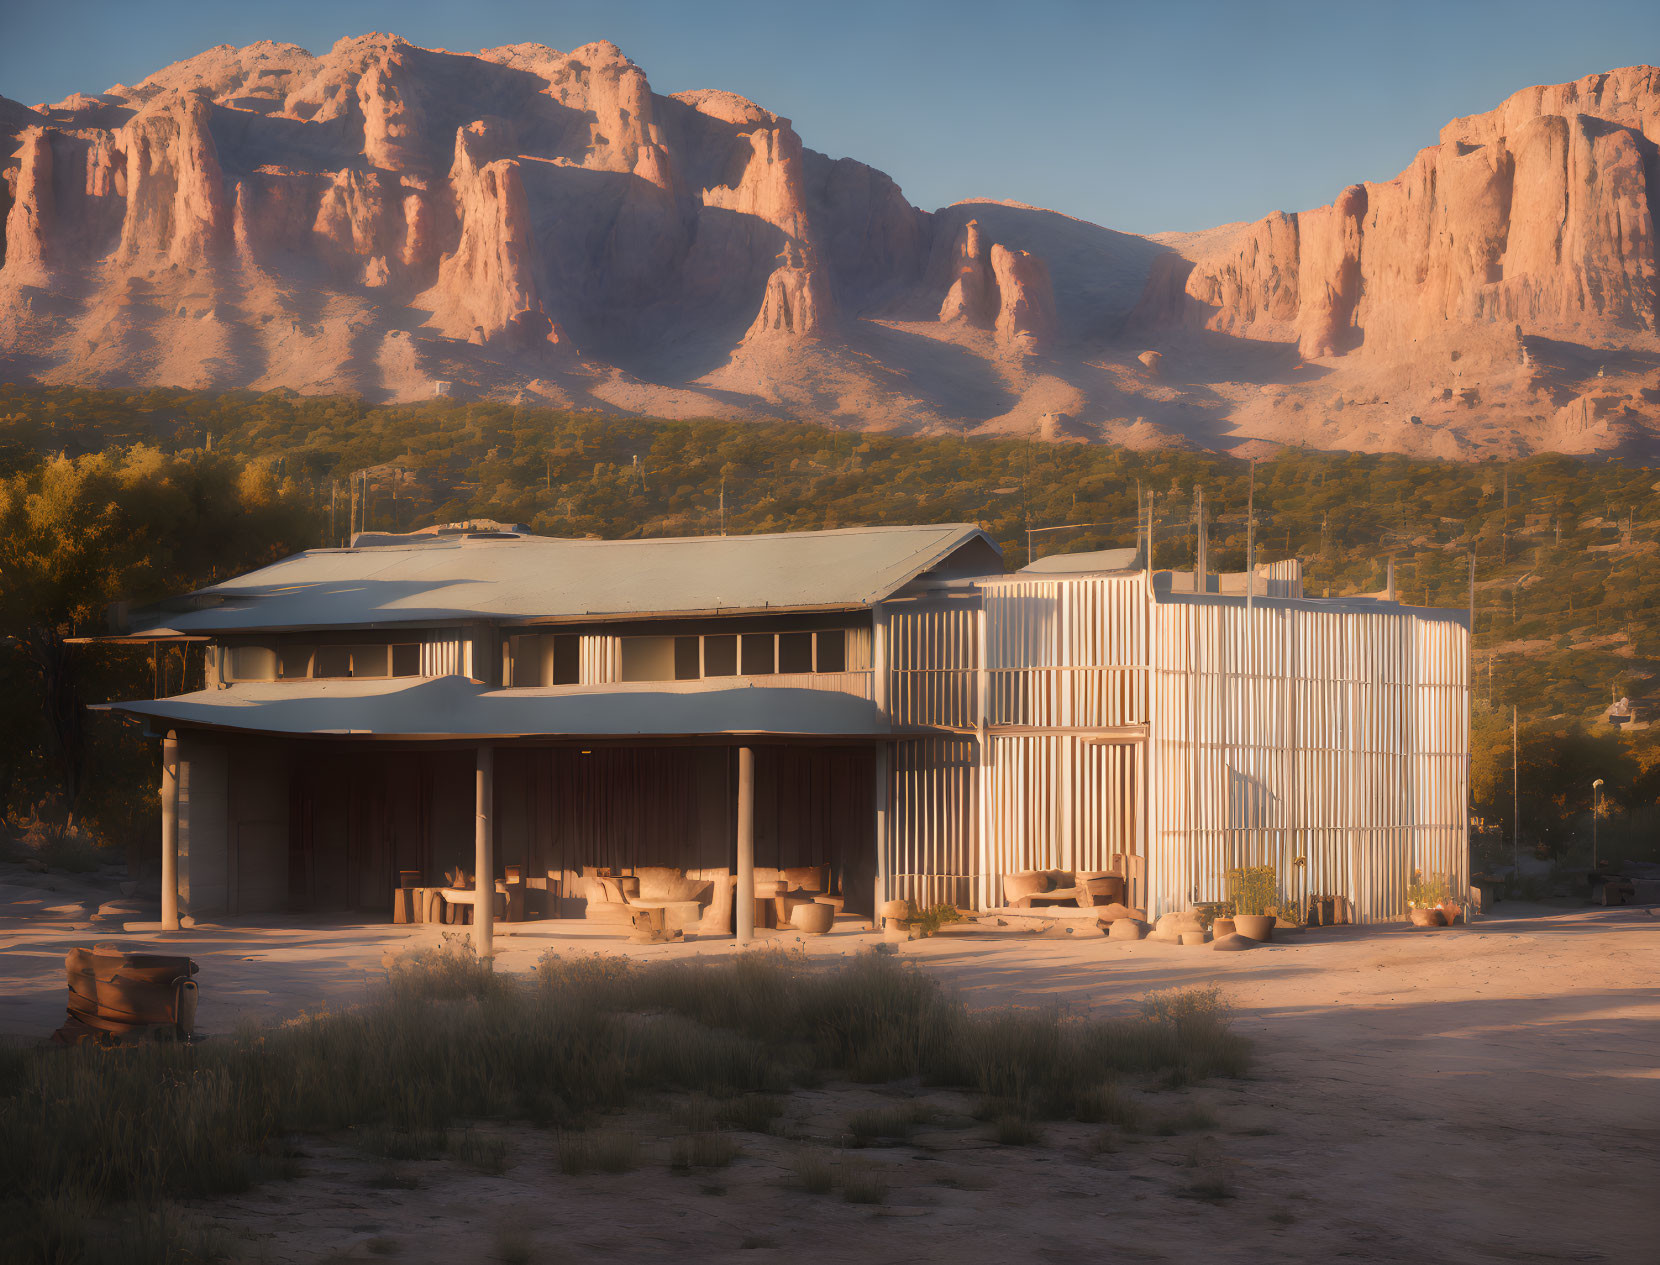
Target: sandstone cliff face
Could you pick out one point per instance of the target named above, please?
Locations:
(28, 255)
(176, 212)
(489, 279)
(1539, 215)
(523, 219)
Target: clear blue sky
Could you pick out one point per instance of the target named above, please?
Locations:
(1142, 117)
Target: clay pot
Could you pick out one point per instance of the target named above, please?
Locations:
(1258, 927)
(1428, 918)
(1453, 912)
(1222, 927)
(813, 918)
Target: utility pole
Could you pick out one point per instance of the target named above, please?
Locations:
(1472, 605)
(723, 505)
(1516, 796)
(1201, 544)
(1251, 540)
(1594, 789)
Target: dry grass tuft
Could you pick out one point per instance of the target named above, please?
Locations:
(703, 1151)
(599, 1151)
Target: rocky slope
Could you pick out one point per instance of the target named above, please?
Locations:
(522, 222)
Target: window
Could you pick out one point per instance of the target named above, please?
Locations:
(795, 652)
(648, 658)
(758, 654)
(688, 662)
(832, 651)
(332, 661)
(720, 655)
(371, 661)
(299, 662)
(253, 663)
(544, 659)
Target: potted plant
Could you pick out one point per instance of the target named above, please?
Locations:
(1424, 897)
(1253, 891)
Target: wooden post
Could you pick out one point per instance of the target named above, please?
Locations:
(745, 912)
(882, 878)
(484, 858)
(170, 832)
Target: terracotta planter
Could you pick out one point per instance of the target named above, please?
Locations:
(1222, 927)
(1258, 927)
(1453, 912)
(1428, 918)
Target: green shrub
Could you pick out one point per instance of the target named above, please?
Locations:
(1426, 893)
(926, 921)
(1253, 889)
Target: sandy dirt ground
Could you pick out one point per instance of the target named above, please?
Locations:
(1478, 1094)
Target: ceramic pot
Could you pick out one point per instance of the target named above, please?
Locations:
(1428, 918)
(1453, 912)
(1258, 927)
(1222, 927)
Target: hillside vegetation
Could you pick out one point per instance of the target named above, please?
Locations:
(1566, 586)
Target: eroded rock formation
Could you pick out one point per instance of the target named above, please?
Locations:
(995, 288)
(1538, 215)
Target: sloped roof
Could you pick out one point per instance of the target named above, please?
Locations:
(1079, 563)
(453, 706)
(425, 580)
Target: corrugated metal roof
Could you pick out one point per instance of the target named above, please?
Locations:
(449, 579)
(1094, 560)
(453, 706)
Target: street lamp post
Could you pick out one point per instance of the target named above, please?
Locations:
(1595, 786)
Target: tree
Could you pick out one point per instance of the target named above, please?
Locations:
(77, 534)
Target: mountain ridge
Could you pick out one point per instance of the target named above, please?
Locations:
(527, 223)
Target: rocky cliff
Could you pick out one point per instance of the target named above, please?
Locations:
(525, 222)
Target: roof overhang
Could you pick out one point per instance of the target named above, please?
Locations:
(453, 707)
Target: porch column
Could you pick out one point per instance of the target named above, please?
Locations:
(484, 855)
(170, 832)
(882, 884)
(745, 895)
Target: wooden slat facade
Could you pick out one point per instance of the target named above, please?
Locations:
(1089, 717)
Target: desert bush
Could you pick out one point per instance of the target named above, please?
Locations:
(442, 972)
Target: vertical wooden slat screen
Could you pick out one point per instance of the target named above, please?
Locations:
(1286, 732)
(1330, 743)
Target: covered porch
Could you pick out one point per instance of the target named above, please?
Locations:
(703, 836)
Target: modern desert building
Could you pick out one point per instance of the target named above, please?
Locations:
(885, 702)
